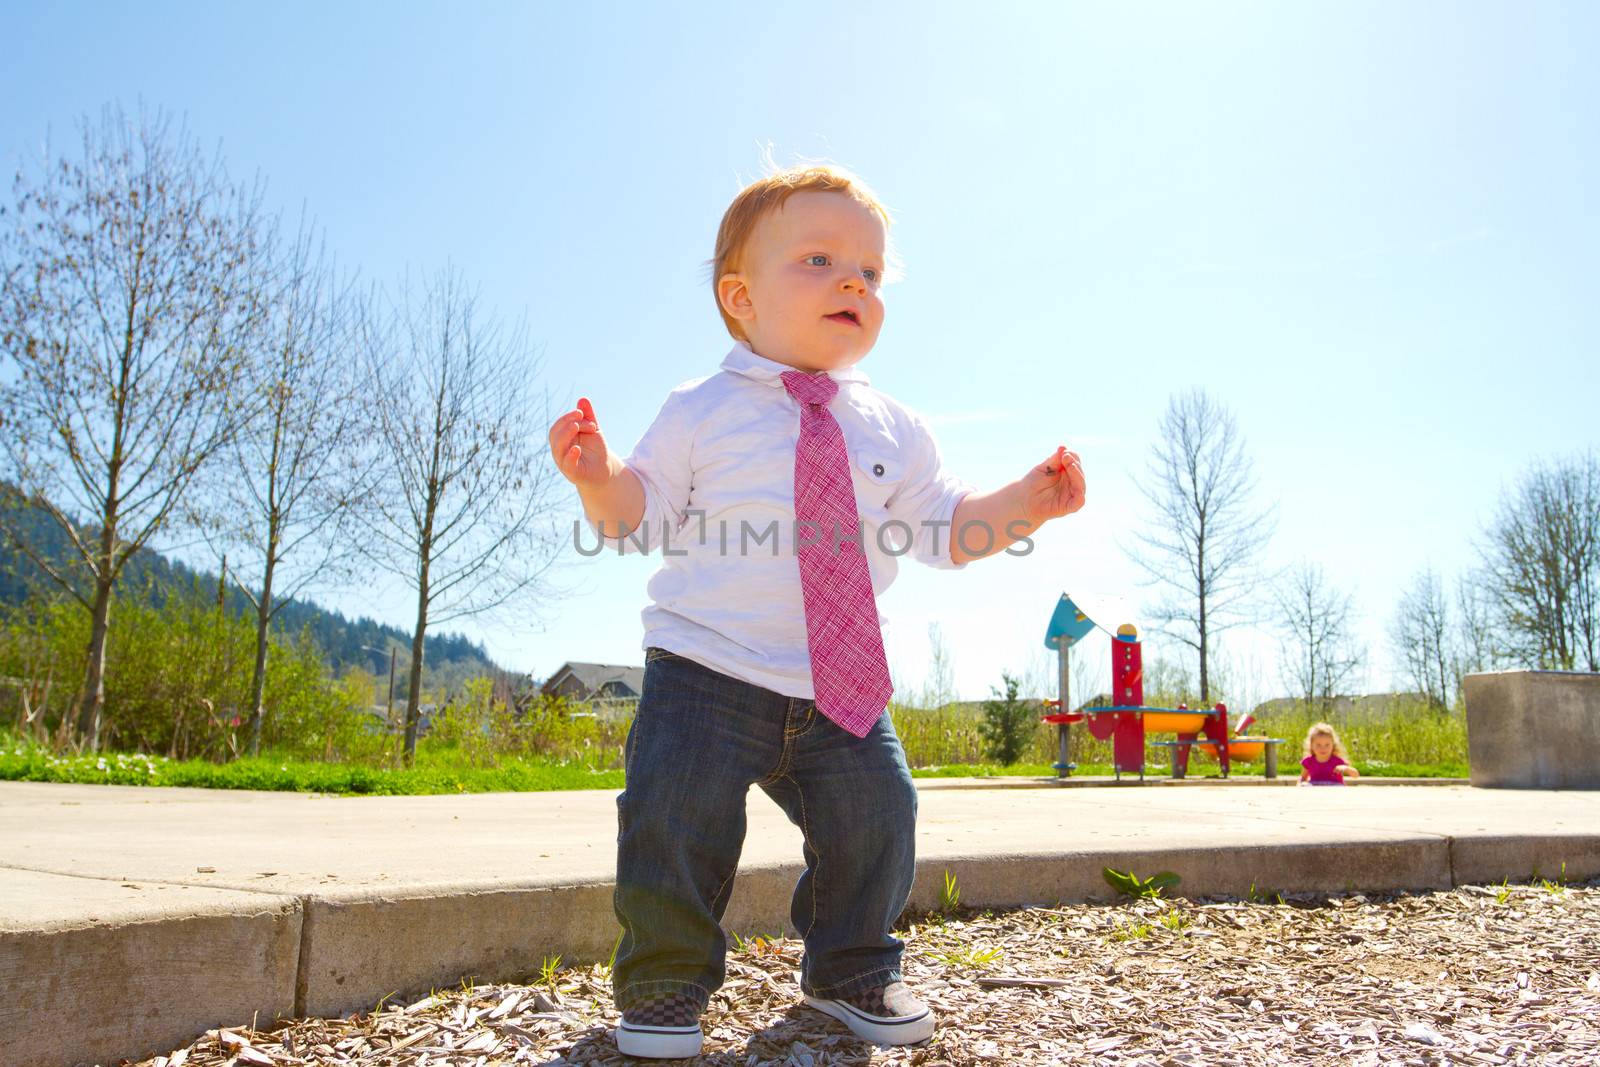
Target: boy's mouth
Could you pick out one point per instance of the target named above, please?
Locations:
(845, 316)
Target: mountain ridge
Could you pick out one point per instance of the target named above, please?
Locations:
(448, 657)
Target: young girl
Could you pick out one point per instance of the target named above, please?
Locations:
(1324, 762)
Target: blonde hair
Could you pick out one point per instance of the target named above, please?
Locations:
(1319, 728)
(766, 195)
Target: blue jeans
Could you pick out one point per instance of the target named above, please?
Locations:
(698, 742)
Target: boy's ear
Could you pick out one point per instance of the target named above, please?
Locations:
(734, 296)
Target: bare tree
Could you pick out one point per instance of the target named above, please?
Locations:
(463, 498)
(1240, 677)
(1319, 654)
(1477, 645)
(1421, 636)
(1169, 681)
(1541, 555)
(130, 297)
(1202, 541)
(939, 687)
(300, 469)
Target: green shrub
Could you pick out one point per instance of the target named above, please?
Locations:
(481, 729)
(178, 675)
(557, 729)
(1009, 724)
(177, 678)
(476, 730)
(1410, 732)
(1412, 740)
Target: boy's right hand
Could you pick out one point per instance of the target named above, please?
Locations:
(579, 447)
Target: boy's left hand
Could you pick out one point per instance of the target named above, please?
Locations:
(1053, 488)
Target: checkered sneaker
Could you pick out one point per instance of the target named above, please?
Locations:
(665, 1009)
(889, 1014)
(661, 1026)
(886, 1000)
(849, 671)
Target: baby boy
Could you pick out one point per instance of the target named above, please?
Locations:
(781, 491)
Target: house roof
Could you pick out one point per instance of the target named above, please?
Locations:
(1369, 704)
(621, 679)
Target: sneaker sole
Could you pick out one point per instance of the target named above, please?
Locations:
(659, 1042)
(900, 1030)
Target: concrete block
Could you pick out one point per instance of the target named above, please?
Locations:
(1533, 729)
(96, 970)
(760, 901)
(1385, 862)
(361, 946)
(1483, 859)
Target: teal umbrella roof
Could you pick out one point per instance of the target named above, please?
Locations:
(1068, 625)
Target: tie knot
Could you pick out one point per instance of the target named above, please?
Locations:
(816, 389)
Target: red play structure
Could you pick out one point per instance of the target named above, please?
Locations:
(1127, 721)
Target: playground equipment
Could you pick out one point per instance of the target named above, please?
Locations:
(1128, 720)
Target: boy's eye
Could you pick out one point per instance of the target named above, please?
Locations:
(820, 259)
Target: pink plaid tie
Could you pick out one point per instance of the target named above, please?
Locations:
(848, 669)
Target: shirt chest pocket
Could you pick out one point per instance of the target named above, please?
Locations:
(878, 473)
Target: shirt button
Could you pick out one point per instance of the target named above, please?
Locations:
(877, 468)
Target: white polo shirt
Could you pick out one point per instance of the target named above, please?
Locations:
(717, 466)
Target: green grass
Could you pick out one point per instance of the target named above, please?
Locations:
(1175, 920)
(1379, 769)
(548, 968)
(993, 770)
(968, 958)
(1157, 768)
(756, 944)
(444, 770)
(431, 775)
(1290, 768)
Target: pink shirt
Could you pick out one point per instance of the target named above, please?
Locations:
(1323, 773)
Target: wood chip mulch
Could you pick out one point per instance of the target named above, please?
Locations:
(1477, 975)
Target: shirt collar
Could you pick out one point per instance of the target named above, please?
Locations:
(740, 360)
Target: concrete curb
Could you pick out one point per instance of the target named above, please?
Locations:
(359, 948)
(111, 978)
(129, 948)
(1479, 859)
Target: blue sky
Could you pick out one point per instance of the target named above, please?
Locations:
(1369, 229)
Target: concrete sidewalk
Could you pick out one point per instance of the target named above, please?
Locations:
(132, 918)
